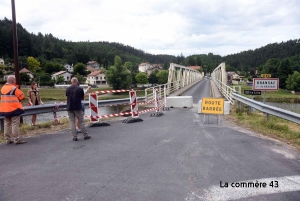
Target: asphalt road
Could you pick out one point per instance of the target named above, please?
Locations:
(171, 157)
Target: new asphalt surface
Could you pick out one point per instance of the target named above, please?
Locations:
(171, 157)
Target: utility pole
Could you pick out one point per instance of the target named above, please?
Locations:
(16, 55)
(15, 43)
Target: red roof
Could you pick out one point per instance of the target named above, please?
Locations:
(95, 73)
(24, 70)
(195, 67)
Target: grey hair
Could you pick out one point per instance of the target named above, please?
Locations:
(11, 79)
(74, 80)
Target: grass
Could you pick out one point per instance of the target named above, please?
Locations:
(280, 95)
(26, 130)
(275, 127)
(58, 94)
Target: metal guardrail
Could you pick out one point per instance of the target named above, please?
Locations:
(231, 94)
(285, 114)
(49, 108)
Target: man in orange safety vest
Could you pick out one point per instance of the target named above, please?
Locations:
(11, 108)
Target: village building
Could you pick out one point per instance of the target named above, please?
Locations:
(91, 69)
(66, 75)
(96, 78)
(143, 67)
(153, 67)
(69, 68)
(195, 67)
(29, 73)
(93, 64)
(2, 61)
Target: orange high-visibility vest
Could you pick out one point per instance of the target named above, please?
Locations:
(10, 104)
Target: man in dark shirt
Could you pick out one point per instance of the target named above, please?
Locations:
(74, 95)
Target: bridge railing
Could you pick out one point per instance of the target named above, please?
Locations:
(218, 76)
(225, 90)
(278, 112)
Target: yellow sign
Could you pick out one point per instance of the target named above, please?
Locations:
(266, 75)
(212, 106)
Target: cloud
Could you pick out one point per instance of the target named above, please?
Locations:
(164, 26)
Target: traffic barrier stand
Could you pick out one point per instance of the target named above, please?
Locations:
(93, 103)
(157, 113)
(134, 109)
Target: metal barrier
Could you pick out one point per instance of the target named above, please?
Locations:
(49, 108)
(220, 79)
(288, 115)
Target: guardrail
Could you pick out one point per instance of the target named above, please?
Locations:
(49, 108)
(285, 114)
(231, 94)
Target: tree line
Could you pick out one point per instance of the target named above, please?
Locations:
(279, 59)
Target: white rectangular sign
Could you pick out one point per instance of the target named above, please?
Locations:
(265, 84)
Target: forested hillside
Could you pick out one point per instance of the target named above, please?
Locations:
(279, 59)
(251, 59)
(49, 48)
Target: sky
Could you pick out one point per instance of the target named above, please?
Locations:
(172, 27)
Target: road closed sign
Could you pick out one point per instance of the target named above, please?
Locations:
(212, 106)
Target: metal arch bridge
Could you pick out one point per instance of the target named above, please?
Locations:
(181, 76)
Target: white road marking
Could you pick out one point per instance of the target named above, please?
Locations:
(286, 154)
(285, 184)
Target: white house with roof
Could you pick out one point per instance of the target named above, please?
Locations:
(28, 72)
(66, 75)
(143, 67)
(96, 78)
(69, 68)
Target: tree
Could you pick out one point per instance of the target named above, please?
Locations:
(80, 69)
(128, 65)
(293, 81)
(271, 67)
(230, 68)
(51, 67)
(81, 78)
(162, 76)
(33, 64)
(133, 80)
(117, 75)
(198, 60)
(60, 79)
(284, 70)
(141, 78)
(192, 61)
(24, 77)
(152, 78)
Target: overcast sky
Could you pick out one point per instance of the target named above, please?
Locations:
(163, 26)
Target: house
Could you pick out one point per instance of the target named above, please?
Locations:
(69, 68)
(143, 67)
(153, 67)
(29, 73)
(65, 74)
(233, 77)
(195, 67)
(96, 78)
(93, 64)
(90, 68)
(24, 70)
(1, 61)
